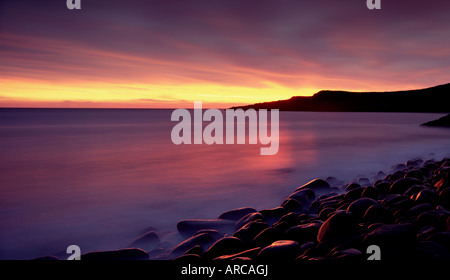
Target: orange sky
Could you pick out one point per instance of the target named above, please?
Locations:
(155, 55)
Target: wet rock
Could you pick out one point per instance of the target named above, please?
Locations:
(215, 234)
(443, 183)
(351, 254)
(328, 247)
(395, 176)
(304, 194)
(281, 250)
(394, 240)
(370, 192)
(425, 232)
(267, 237)
(418, 209)
(292, 217)
(377, 213)
(196, 250)
(402, 205)
(273, 215)
(318, 186)
(249, 218)
(338, 225)
(123, 254)
(225, 246)
(352, 186)
(414, 190)
(325, 212)
(414, 173)
(292, 205)
(248, 232)
(392, 199)
(304, 233)
(147, 241)
(236, 214)
(382, 186)
(358, 207)
(444, 198)
(427, 196)
(401, 185)
(203, 240)
(354, 193)
(335, 203)
(189, 227)
(249, 254)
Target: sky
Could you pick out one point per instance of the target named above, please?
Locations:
(169, 53)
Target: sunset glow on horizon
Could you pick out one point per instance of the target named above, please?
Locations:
(167, 54)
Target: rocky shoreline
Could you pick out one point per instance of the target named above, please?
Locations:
(406, 215)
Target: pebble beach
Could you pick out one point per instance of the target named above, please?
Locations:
(405, 215)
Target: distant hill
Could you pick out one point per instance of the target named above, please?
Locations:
(434, 99)
(441, 122)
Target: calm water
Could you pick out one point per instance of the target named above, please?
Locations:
(99, 178)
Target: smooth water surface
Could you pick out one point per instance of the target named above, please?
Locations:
(98, 178)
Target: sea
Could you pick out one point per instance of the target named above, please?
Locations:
(100, 178)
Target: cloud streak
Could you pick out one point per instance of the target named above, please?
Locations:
(296, 44)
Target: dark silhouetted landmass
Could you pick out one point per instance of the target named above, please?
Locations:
(433, 99)
(441, 122)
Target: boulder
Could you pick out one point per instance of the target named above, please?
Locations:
(393, 240)
(427, 196)
(188, 228)
(273, 215)
(351, 254)
(444, 198)
(304, 194)
(392, 199)
(414, 190)
(370, 192)
(248, 232)
(248, 218)
(377, 213)
(325, 212)
(225, 246)
(425, 232)
(358, 207)
(249, 254)
(354, 193)
(318, 186)
(147, 241)
(281, 250)
(267, 237)
(401, 185)
(292, 205)
(236, 214)
(338, 225)
(196, 250)
(204, 240)
(414, 173)
(304, 233)
(382, 186)
(352, 186)
(418, 209)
